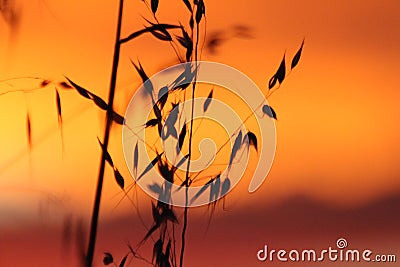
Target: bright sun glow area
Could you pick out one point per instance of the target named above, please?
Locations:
(337, 134)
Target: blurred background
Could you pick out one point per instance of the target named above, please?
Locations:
(336, 170)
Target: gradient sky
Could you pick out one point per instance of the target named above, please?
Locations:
(337, 136)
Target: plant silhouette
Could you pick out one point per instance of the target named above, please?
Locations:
(186, 43)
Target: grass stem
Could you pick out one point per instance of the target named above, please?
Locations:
(113, 81)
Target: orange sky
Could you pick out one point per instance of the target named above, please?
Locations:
(337, 136)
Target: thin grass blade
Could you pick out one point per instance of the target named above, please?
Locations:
(106, 154)
(269, 111)
(150, 166)
(252, 139)
(123, 261)
(208, 101)
(82, 91)
(296, 57)
(29, 130)
(135, 159)
(119, 179)
(280, 74)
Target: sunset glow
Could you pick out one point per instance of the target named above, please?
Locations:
(337, 145)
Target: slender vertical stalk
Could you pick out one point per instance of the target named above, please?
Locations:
(109, 116)
(185, 213)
